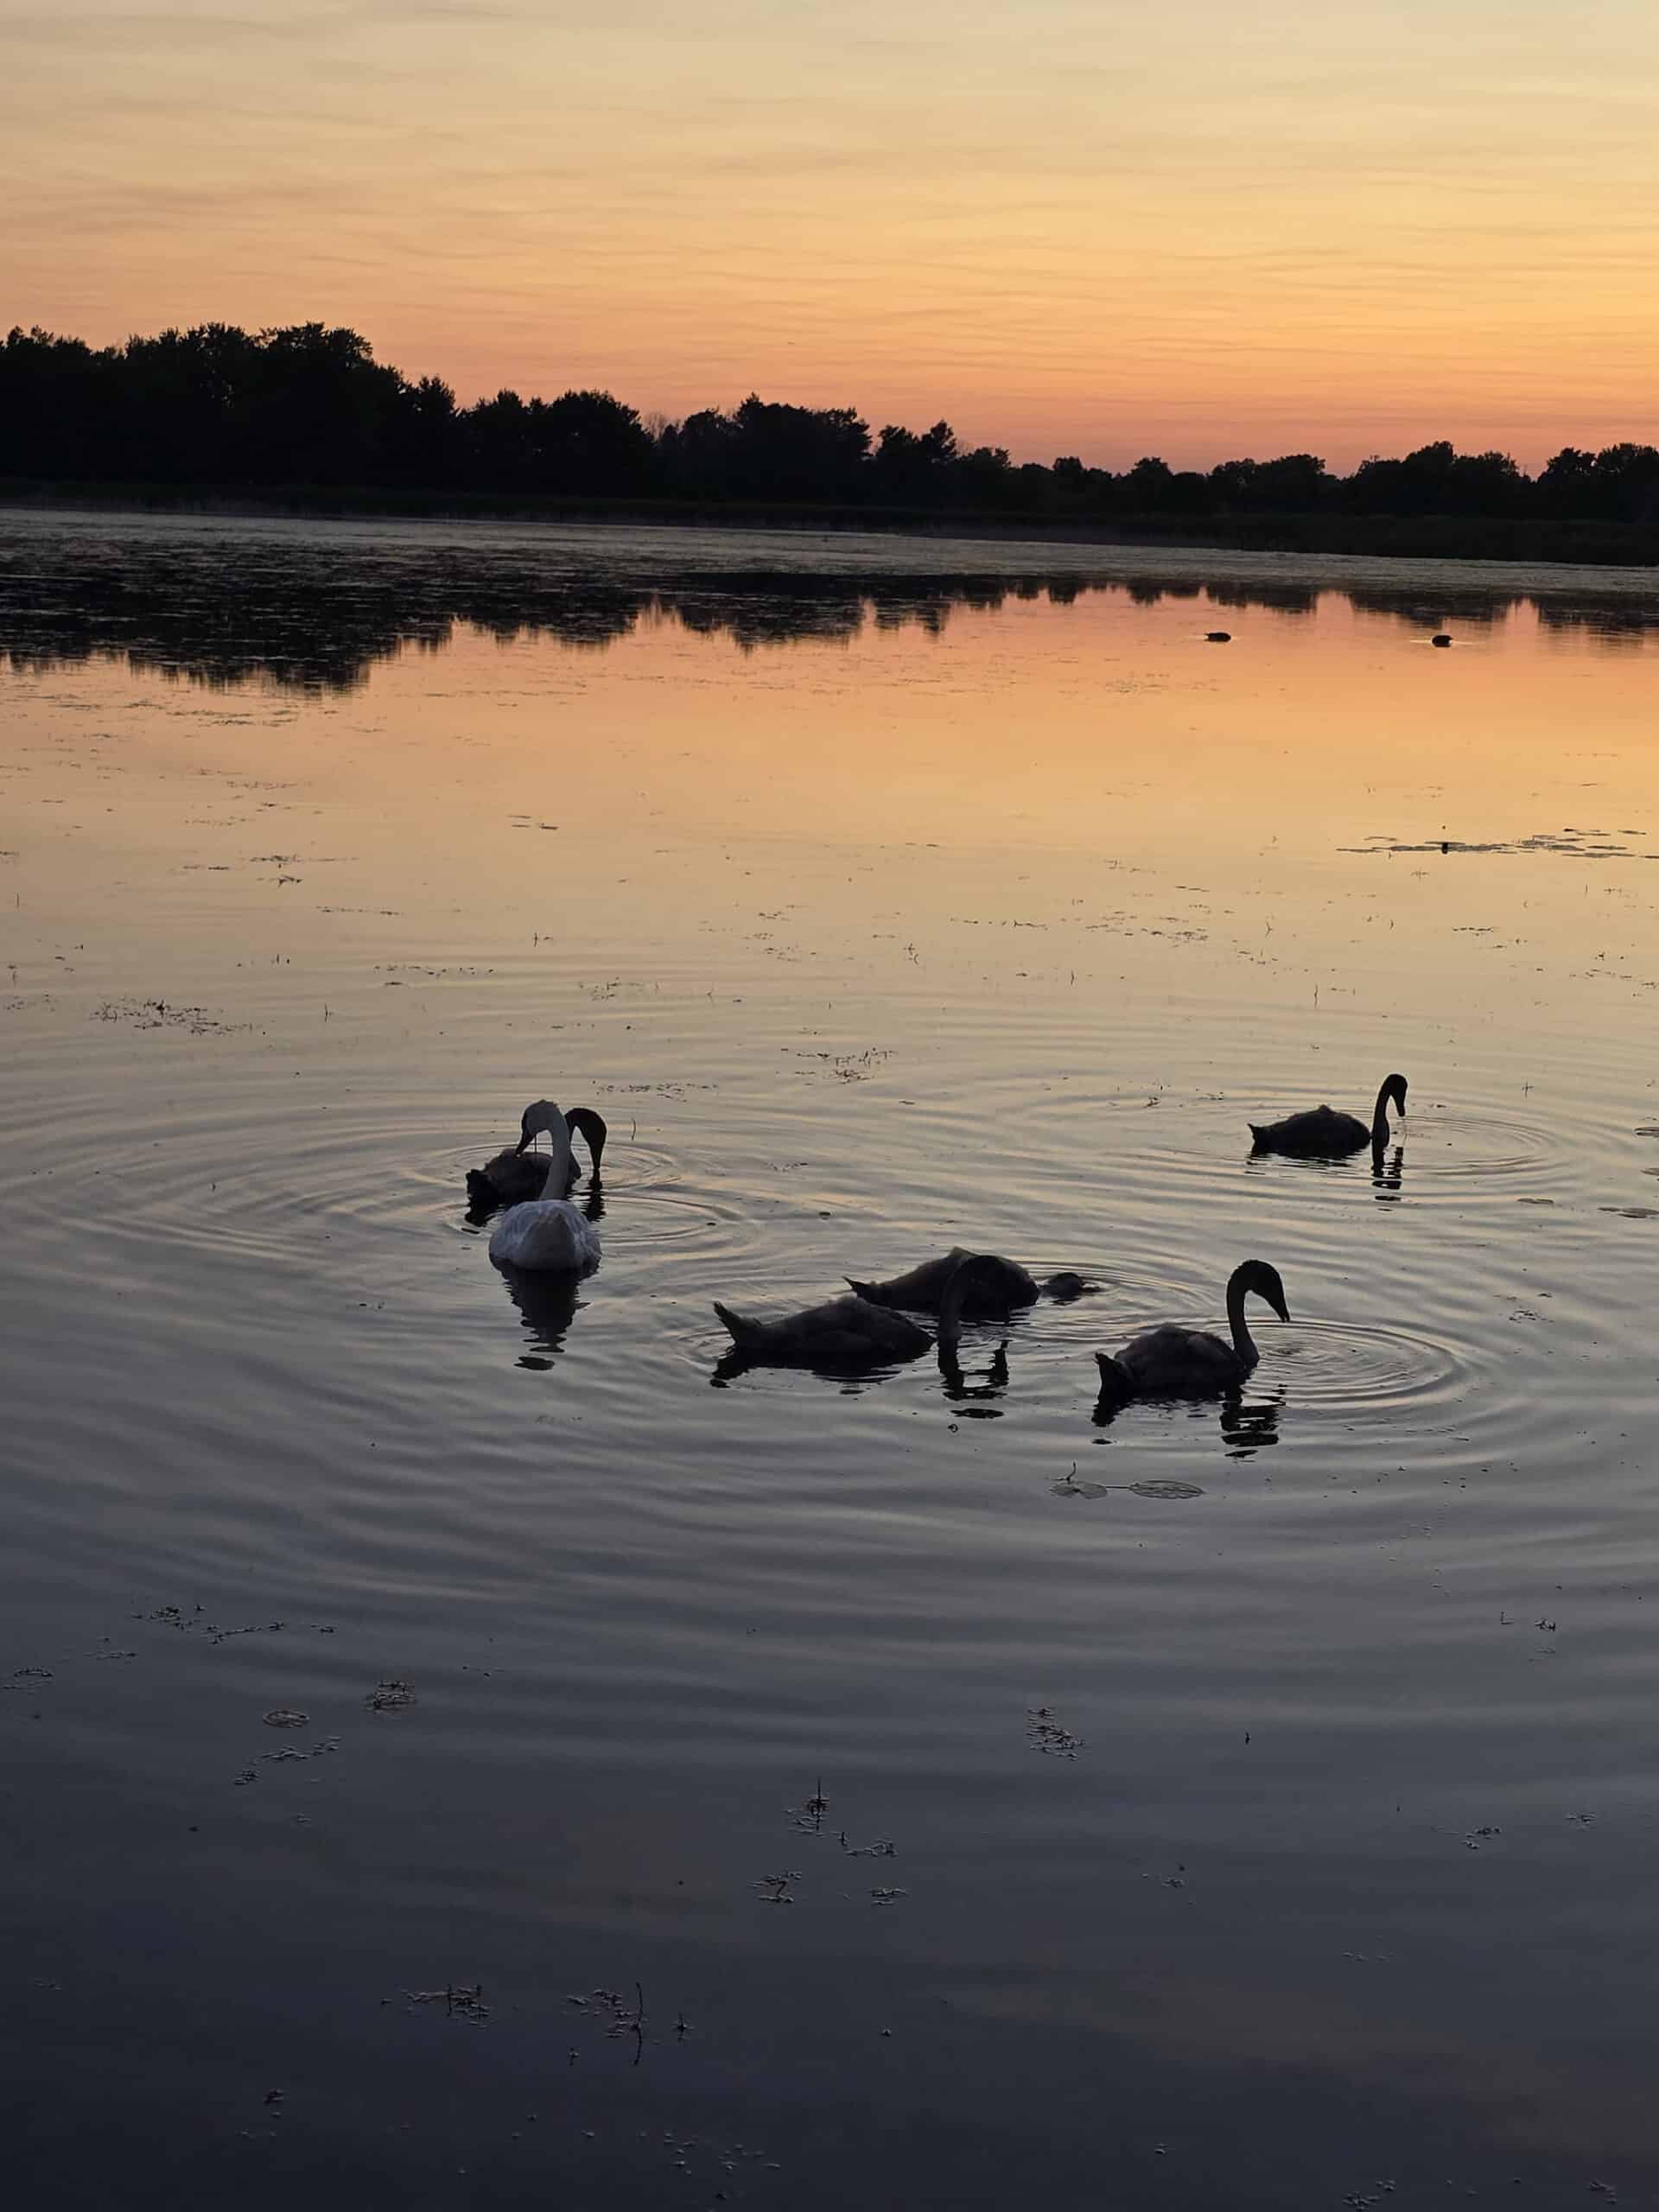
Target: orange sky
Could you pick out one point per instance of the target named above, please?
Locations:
(1070, 225)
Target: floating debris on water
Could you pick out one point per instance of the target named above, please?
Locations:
(1047, 1734)
(390, 1697)
(459, 2000)
(808, 1817)
(286, 1716)
(291, 1756)
(1069, 1486)
(159, 1014)
(620, 2017)
(1154, 1486)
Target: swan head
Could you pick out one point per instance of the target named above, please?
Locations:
(1256, 1276)
(1394, 1090)
(543, 1115)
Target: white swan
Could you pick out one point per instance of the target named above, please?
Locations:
(548, 1233)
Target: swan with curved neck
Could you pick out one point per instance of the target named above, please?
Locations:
(549, 1233)
(853, 1332)
(1176, 1363)
(521, 1173)
(998, 1287)
(1323, 1134)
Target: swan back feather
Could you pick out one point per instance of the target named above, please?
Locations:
(1324, 1133)
(546, 1233)
(847, 1330)
(996, 1286)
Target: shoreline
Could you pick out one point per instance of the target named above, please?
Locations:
(1451, 537)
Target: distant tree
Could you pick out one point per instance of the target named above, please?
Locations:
(1075, 489)
(985, 478)
(1148, 487)
(60, 407)
(496, 442)
(1625, 483)
(1437, 480)
(807, 453)
(320, 408)
(908, 471)
(592, 446)
(309, 403)
(426, 446)
(1294, 484)
(1565, 485)
(696, 454)
(184, 393)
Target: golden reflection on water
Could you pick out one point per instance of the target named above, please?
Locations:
(1040, 761)
(1100, 727)
(1000, 935)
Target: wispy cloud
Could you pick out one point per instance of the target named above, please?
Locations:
(1042, 222)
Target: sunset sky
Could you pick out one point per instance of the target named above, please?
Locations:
(1203, 229)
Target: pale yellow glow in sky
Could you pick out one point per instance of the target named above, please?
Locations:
(1200, 229)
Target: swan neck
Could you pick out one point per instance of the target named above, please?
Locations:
(560, 1163)
(1380, 1120)
(1243, 1342)
(968, 1272)
(586, 1121)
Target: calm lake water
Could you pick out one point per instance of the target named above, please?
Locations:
(814, 1793)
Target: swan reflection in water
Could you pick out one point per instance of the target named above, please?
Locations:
(974, 1397)
(546, 1303)
(1247, 1426)
(1387, 1164)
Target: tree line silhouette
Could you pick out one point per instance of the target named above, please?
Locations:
(220, 408)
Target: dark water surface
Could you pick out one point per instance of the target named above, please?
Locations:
(988, 1804)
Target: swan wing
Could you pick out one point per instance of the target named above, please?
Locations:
(512, 1178)
(1319, 1132)
(1173, 1362)
(1004, 1285)
(840, 1331)
(549, 1233)
(919, 1289)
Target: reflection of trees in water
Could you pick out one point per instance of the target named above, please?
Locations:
(316, 616)
(1278, 599)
